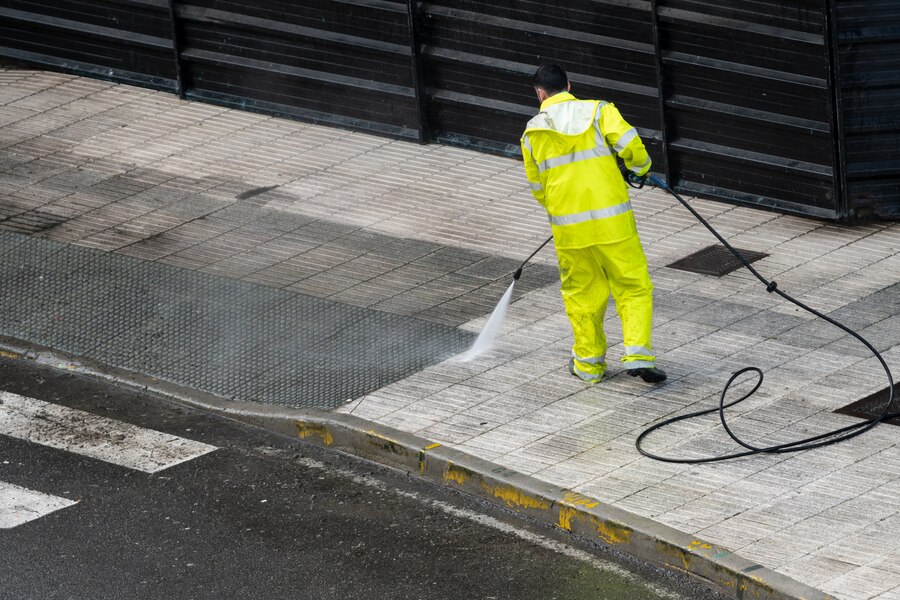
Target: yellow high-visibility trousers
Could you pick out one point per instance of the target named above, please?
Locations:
(588, 276)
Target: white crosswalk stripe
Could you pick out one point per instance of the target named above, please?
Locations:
(86, 434)
(19, 505)
(94, 436)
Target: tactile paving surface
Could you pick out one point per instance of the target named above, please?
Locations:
(232, 338)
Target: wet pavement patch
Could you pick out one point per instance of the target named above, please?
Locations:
(33, 221)
(233, 232)
(232, 338)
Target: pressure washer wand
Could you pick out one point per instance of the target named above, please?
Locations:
(518, 272)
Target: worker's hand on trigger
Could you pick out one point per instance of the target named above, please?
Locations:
(635, 181)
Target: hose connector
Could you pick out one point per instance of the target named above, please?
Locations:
(771, 287)
(657, 182)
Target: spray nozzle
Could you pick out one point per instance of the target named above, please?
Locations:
(517, 274)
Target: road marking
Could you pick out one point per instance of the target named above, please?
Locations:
(94, 436)
(19, 505)
(488, 521)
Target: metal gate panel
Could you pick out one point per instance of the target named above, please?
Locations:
(124, 40)
(340, 62)
(745, 89)
(480, 56)
(868, 47)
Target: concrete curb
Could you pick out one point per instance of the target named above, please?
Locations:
(638, 536)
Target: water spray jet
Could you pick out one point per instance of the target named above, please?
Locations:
(490, 331)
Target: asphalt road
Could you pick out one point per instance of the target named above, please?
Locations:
(258, 516)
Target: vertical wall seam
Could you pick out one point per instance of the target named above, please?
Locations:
(417, 72)
(176, 49)
(660, 86)
(842, 207)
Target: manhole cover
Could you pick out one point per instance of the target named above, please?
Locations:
(872, 405)
(715, 260)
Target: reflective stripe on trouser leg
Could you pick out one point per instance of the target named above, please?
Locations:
(585, 294)
(629, 281)
(583, 371)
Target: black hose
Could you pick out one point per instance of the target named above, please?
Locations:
(824, 439)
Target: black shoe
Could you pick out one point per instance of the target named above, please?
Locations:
(649, 374)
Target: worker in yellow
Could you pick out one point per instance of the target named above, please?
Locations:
(570, 151)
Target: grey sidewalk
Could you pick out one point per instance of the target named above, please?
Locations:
(430, 233)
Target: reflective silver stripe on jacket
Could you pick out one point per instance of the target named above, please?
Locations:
(636, 169)
(535, 186)
(597, 360)
(642, 350)
(591, 215)
(626, 139)
(600, 149)
(527, 144)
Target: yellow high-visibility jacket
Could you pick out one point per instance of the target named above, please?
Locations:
(569, 150)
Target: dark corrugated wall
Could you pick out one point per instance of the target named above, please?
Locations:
(479, 56)
(772, 103)
(868, 47)
(124, 40)
(747, 109)
(341, 62)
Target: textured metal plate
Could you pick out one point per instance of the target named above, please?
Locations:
(872, 405)
(232, 338)
(715, 260)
